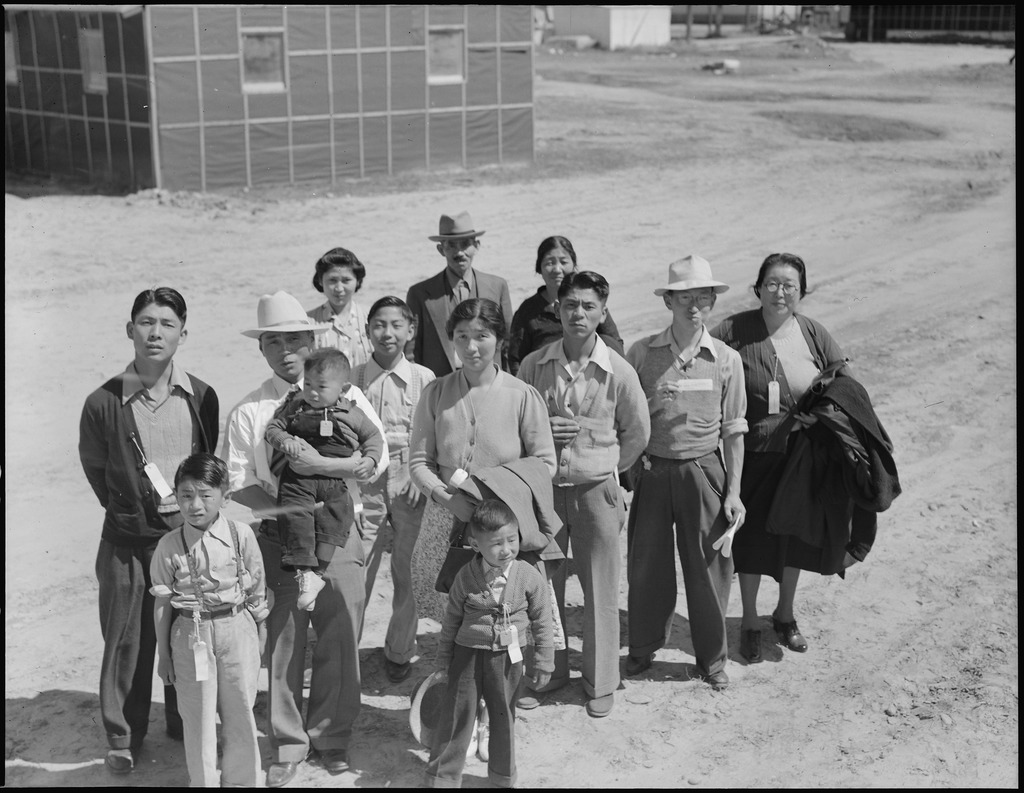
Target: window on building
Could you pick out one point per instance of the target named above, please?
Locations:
(263, 62)
(94, 61)
(10, 60)
(445, 56)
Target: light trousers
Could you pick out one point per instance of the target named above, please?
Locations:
(592, 517)
(233, 666)
(390, 521)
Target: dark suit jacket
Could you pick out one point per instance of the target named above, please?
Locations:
(428, 301)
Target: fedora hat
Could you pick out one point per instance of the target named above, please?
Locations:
(454, 228)
(425, 707)
(281, 313)
(693, 272)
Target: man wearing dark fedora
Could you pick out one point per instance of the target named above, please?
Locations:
(434, 299)
(286, 338)
(697, 400)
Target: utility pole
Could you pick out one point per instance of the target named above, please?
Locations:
(689, 22)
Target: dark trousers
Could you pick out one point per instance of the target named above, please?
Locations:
(129, 645)
(472, 674)
(303, 525)
(334, 691)
(685, 494)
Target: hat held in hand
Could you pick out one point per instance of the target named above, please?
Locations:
(693, 272)
(425, 707)
(281, 313)
(455, 228)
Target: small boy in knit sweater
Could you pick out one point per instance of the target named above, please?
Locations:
(494, 600)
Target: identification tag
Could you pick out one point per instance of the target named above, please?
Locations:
(202, 663)
(773, 397)
(162, 488)
(326, 429)
(702, 384)
(515, 653)
(505, 636)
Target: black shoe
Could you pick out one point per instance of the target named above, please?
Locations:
(280, 774)
(175, 730)
(334, 761)
(719, 681)
(396, 672)
(789, 635)
(750, 646)
(120, 761)
(635, 664)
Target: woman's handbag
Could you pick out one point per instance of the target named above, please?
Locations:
(458, 556)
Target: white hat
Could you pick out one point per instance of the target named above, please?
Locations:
(425, 707)
(693, 272)
(281, 313)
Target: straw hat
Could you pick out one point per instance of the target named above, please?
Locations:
(281, 313)
(693, 272)
(454, 228)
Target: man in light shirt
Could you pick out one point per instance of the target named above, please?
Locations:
(286, 338)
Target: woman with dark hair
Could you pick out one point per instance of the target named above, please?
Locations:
(782, 352)
(536, 322)
(474, 418)
(339, 275)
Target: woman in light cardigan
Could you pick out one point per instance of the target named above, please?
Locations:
(474, 418)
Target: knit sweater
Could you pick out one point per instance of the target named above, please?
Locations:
(473, 617)
(114, 468)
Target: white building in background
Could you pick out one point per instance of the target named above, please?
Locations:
(616, 27)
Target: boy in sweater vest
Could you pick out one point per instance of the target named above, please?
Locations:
(392, 504)
(494, 600)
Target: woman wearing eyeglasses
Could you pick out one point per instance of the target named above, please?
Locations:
(782, 352)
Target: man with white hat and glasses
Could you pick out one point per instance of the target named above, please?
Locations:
(286, 338)
(695, 393)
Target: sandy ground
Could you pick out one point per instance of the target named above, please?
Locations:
(890, 168)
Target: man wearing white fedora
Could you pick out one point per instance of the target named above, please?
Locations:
(434, 299)
(286, 338)
(696, 396)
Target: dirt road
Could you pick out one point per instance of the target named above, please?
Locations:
(890, 168)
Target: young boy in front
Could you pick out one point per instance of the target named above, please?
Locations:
(392, 504)
(600, 424)
(209, 592)
(315, 514)
(493, 601)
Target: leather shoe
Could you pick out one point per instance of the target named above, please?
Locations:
(719, 681)
(120, 761)
(789, 635)
(750, 646)
(395, 671)
(599, 707)
(334, 761)
(280, 774)
(528, 701)
(635, 664)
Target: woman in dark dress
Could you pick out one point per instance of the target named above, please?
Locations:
(782, 352)
(536, 322)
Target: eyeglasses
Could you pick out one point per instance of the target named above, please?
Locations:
(787, 289)
(689, 298)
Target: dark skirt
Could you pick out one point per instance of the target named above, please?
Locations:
(757, 552)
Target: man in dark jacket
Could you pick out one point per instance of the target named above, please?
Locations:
(135, 430)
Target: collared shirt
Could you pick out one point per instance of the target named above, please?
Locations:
(607, 402)
(165, 429)
(347, 331)
(497, 579)
(711, 404)
(467, 283)
(388, 392)
(536, 324)
(214, 557)
(246, 450)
